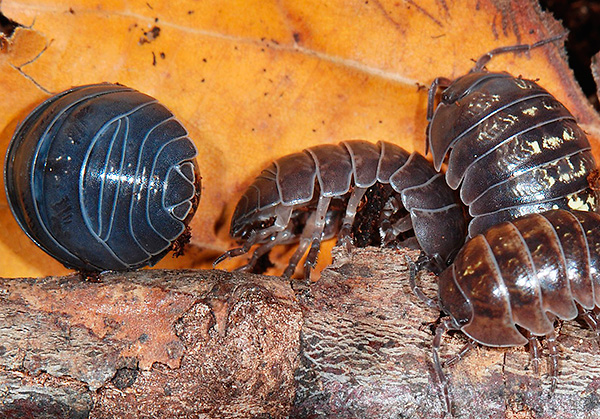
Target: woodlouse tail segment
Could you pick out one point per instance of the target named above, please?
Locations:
(484, 59)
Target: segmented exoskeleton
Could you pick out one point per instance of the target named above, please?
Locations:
(513, 148)
(103, 177)
(508, 286)
(315, 194)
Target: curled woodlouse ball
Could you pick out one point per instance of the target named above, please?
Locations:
(507, 286)
(318, 193)
(102, 177)
(513, 149)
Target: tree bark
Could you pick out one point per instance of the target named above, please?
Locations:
(212, 344)
(149, 344)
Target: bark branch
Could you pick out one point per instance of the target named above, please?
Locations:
(148, 344)
(357, 343)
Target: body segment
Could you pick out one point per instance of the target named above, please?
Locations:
(315, 194)
(513, 149)
(509, 285)
(102, 177)
(525, 273)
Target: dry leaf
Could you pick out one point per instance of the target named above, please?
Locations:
(255, 80)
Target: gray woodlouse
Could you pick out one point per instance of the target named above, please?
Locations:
(512, 147)
(304, 197)
(102, 177)
(509, 285)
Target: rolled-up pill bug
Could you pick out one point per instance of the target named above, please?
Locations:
(316, 194)
(512, 147)
(102, 177)
(508, 286)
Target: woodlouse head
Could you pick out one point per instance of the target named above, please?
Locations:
(102, 177)
(450, 112)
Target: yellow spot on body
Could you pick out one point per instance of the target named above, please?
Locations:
(575, 202)
(551, 142)
(565, 177)
(568, 135)
(536, 147)
(531, 111)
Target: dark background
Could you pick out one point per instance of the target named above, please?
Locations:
(582, 19)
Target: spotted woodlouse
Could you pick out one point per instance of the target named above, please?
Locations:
(102, 177)
(315, 194)
(508, 286)
(512, 147)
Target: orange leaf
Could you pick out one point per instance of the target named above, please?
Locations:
(255, 80)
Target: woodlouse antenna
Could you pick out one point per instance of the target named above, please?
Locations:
(440, 82)
(485, 58)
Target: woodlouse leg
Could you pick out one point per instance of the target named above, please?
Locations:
(311, 258)
(300, 250)
(553, 361)
(534, 351)
(302, 246)
(413, 272)
(461, 354)
(403, 225)
(313, 231)
(386, 232)
(444, 326)
(317, 235)
(345, 232)
(282, 236)
(282, 220)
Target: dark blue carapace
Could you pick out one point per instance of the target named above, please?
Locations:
(102, 177)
